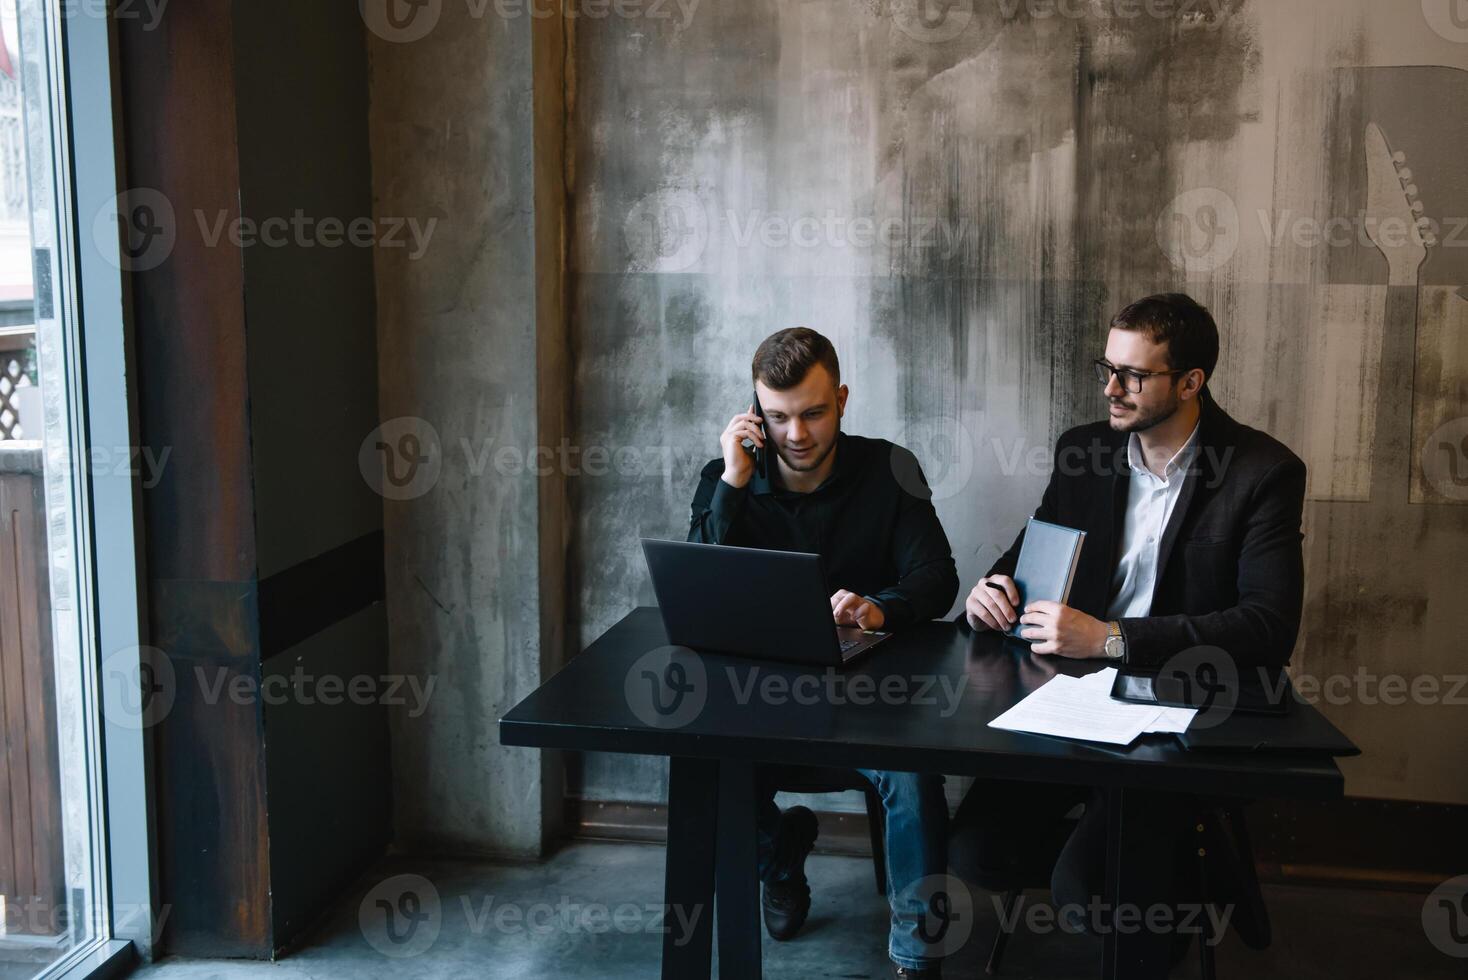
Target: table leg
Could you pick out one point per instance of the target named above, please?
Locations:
(1138, 877)
(737, 879)
(688, 882)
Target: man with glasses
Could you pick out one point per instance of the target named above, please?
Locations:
(1193, 546)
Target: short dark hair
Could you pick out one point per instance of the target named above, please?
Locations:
(1178, 322)
(785, 357)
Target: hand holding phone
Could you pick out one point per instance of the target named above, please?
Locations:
(761, 452)
(741, 461)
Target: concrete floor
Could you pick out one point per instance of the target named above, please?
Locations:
(497, 920)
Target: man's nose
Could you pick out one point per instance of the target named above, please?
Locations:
(1114, 388)
(796, 433)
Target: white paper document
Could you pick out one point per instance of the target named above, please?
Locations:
(1173, 720)
(1083, 708)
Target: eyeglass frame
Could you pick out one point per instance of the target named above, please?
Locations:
(1112, 371)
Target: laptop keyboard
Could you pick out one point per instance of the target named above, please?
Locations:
(848, 644)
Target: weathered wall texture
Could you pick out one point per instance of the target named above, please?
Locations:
(452, 142)
(961, 203)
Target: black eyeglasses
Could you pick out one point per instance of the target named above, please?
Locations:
(1130, 380)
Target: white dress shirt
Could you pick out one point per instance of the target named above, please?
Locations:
(1150, 500)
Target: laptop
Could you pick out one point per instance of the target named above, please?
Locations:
(753, 602)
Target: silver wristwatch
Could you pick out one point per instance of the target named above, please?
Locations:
(1115, 642)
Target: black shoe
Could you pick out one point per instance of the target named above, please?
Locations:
(934, 972)
(786, 904)
(786, 899)
(794, 838)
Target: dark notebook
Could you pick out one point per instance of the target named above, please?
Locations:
(1298, 732)
(1047, 565)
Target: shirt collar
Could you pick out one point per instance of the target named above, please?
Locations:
(1180, 459)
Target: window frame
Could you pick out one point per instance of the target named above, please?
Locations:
(88, 166)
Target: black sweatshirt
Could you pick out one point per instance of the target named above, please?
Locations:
(872, 522)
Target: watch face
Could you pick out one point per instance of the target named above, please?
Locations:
(1114, 648)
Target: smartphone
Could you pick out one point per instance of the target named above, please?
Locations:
(761, 456)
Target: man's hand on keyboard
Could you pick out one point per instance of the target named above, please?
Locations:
(850, 609)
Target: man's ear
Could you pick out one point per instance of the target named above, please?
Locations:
(1193, 383)
(841, 394)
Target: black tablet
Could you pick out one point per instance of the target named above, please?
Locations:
(1268, 694)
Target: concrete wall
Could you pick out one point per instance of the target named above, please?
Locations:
(454, 125)
(961, 200)
(1036, 166)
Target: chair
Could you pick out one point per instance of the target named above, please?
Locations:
(813, 779)
(1225, 874)
(1011, 882)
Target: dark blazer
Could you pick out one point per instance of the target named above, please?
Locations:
(1230, 568)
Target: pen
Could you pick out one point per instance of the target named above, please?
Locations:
(1000, 589)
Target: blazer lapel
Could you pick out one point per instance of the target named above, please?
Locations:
(1109, 512)
(1174, 522)
(1121, 481)
(1197, 471)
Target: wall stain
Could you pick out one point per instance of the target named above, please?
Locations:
(1025, 164)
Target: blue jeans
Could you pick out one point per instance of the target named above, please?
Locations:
(916, 846)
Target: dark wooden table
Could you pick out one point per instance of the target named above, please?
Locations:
(718, 717)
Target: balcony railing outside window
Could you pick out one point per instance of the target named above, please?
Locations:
(20, 395)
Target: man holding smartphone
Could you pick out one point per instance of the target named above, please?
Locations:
(864, 506)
